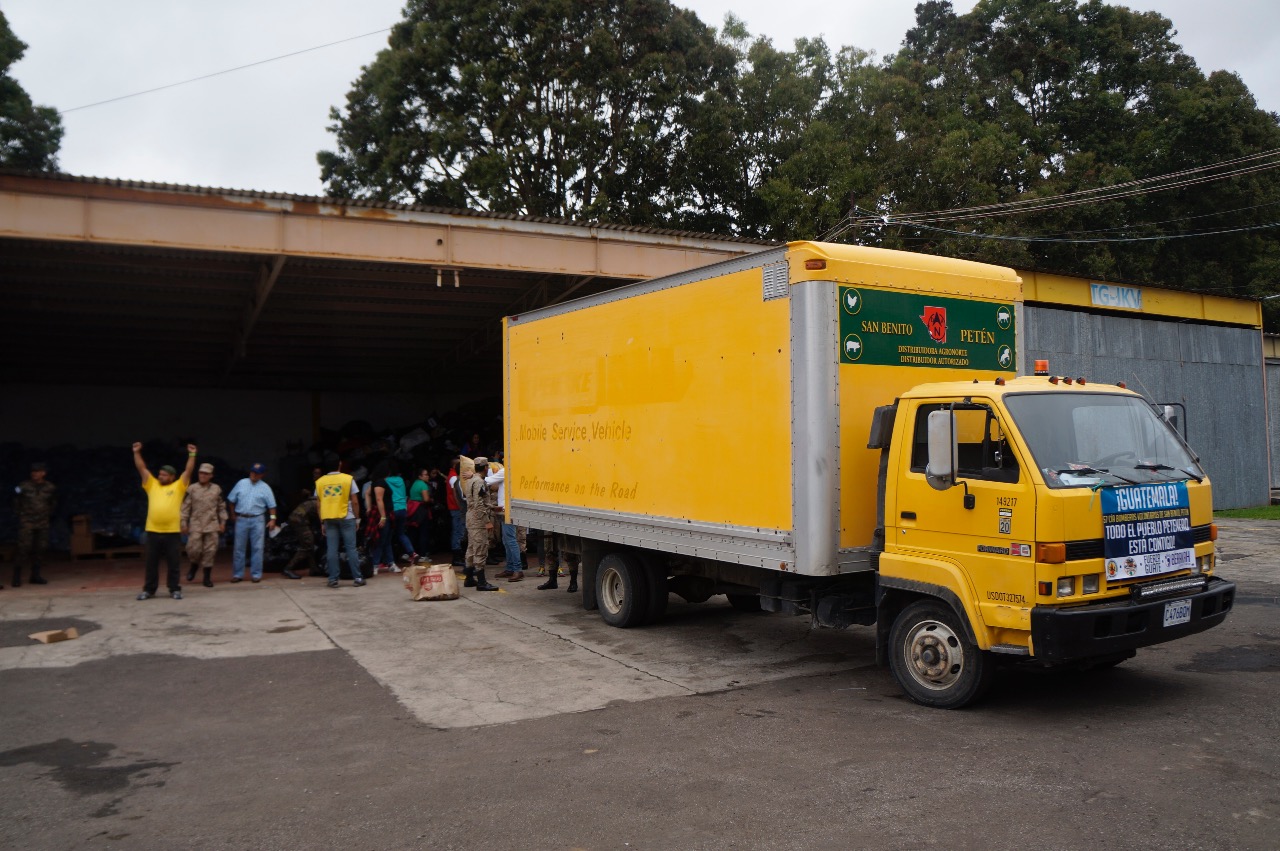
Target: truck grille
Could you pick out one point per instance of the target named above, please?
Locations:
(1082, 550)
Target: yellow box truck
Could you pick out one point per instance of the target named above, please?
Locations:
(840, 431)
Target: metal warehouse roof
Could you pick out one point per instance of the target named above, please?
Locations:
(132, 283)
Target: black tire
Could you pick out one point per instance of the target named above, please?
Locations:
(933, 660)
(744, 602)
(622, 590)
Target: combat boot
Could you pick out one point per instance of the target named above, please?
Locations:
(482, 584)
(573, 582)
(36, 578)
(208, 577)
(470, 580)
(550, 584)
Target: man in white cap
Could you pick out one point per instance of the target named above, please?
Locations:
(204, 518)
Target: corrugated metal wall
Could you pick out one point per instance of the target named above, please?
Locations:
(1215, 371)
(1273, 425)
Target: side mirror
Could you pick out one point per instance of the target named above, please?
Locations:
(1171, 416)
(940, 472)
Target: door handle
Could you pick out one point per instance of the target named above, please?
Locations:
(908, 515)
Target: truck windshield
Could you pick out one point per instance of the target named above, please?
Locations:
(1083, 439)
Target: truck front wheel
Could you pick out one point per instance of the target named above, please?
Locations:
(622, 590)
(933, 661)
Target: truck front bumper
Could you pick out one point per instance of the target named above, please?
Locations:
(1111, 627)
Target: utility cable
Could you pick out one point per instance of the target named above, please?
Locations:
(1186, 177)
(1075, 202)
(226, 71)
(1085, 241)
(1107, 190)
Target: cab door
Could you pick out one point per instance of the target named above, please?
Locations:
(994, 539)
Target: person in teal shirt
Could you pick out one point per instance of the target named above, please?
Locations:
(420, 492)
(391, 488)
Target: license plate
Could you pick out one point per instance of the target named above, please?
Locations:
(1179, 611)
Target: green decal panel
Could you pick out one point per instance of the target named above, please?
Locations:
(906, 329)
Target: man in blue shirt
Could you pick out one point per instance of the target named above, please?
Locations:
(253, 505)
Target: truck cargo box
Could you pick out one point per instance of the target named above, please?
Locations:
(723, 413)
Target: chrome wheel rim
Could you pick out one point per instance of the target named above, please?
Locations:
(612, 594)
(934, 655)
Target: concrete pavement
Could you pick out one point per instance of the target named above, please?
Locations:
(286, 715)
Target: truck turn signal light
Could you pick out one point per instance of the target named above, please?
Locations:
(815, 265)
(1051, 553)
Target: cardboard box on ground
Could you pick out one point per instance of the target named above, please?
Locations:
(431, 582)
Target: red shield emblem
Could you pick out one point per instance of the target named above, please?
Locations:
(935, 322)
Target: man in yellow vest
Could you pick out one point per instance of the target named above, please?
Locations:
(339, 516)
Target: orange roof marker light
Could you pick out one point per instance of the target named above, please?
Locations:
(1042, 367)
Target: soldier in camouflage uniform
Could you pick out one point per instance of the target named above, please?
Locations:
(34, 502)
(551, 556)
(475, 493)
(204, 518)
(300, 521)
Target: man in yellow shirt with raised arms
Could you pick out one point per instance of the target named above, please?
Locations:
(165, 491)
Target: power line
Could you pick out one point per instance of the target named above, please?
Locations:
(1122, 228)
(1004, 238)
(1098, 199)
(1163, 183)
(1131, 187)
(226, 71)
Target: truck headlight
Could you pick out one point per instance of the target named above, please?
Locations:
(1066, 586)
(1089, 583)
(1204, 564)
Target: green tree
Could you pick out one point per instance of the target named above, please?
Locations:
(29, 135)
(545, 107)
(1036, 98)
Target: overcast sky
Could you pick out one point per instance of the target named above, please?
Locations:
(261, 128)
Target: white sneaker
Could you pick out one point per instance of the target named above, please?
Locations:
(395, 568)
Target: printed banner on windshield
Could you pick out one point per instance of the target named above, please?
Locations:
(1146, 530)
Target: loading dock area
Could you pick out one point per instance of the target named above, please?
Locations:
(255, 319)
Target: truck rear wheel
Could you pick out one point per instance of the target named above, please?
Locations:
(622, 590)
(933, 660)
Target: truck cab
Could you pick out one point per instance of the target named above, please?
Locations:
(1036, 519)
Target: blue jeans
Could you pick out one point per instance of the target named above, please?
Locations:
(401, 520)
(393, 533)
(347, 530)
(250, 532)
(512, 545)
(457, 529)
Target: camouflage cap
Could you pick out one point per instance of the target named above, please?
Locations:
(206, 468)
(39, 467)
